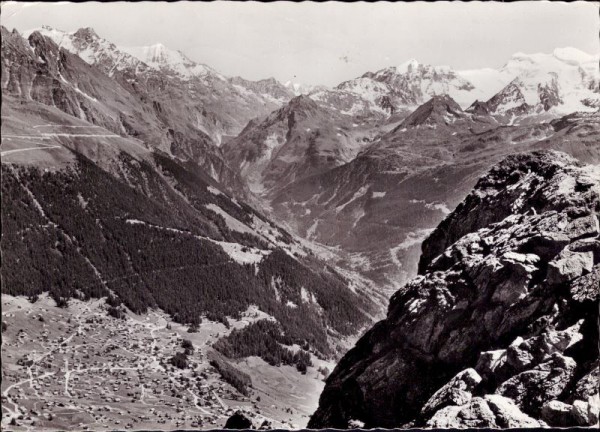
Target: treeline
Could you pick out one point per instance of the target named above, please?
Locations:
(236, 378)
(264, 339)
(193, 184)
(66, 233)
(342, 309)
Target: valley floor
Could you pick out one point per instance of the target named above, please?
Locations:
(78, 368)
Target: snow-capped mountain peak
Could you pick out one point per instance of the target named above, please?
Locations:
(556, 83)
(167, 60)
(92, 49)
(410, 84)
(202, 99)
(408, 66)
(95, 50)
(302, 89)
(560, 60)
(296, 88)
(574, 56)
(565, 80)
(157, 55)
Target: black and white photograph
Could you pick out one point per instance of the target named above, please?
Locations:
(300, 215)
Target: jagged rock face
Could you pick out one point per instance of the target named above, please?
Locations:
(37, 70)
(502, 319)
(218, 106)
(386, 103)
(549, 93)
(296, 141)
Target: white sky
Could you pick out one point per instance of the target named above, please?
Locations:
(326, 43)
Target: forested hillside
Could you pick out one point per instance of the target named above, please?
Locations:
(81, 232)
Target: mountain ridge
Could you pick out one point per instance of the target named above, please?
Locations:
(221, 108)
(156, 182)
(409, 84)
(463, 342)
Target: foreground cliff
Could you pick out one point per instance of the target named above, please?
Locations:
(500, 327)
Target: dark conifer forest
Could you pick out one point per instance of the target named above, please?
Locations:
(264, 339)
(82, 233)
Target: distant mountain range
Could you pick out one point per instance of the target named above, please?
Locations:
(140, 175)
(308, 154)
(331, 163)
(218, 106)
(562, 82)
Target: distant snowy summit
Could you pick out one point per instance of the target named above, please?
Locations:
(170, 61)
(302, 89)
(528, 85)
(218, 105)
(95, 50)
(564, 81)
(98, 51)
(411, 83)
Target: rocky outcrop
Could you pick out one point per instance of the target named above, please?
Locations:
(499, 329)
(491, 411)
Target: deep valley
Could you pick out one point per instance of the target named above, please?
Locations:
(418, 246)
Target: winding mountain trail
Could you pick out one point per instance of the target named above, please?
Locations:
(7, 152)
